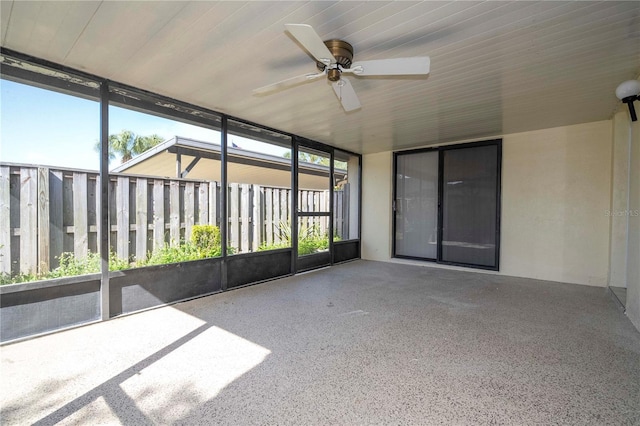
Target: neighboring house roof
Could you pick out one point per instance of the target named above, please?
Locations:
(193, 159)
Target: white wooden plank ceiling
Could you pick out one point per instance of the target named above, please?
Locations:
(496, 67)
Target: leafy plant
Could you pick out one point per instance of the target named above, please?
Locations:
(207, 239)
(172, 254)
(118, 264)
(16, 279)
(205, 242)
(310, 239)
(70, 266)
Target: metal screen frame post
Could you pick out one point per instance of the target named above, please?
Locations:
(331, 203)
(294, 205)
(224, 213)
(103, 225)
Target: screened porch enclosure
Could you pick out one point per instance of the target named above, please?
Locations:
(215, 209)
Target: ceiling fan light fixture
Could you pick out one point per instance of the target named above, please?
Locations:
(628, 92)
(333, 74)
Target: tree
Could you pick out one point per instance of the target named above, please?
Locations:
(310, 158)
(127, 144)
(317, 159)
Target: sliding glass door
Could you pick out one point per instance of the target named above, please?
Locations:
(470, 206)
(447, 204)
(416, 205)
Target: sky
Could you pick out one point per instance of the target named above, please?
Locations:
(43, 127)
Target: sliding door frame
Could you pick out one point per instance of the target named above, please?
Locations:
(395, 198)
(441, 150)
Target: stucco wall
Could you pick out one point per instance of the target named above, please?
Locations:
(555, 197)
(625, 220)
(376, 206)
(619, 200)
(556, 186)
(633, 255)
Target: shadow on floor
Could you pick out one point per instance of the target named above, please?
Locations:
(370, 342)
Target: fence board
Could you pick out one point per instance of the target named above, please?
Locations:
(233, 215)
(337, 213)
(213, 203)
(203, 203)
(321, 203)
(304, 220)
(323, 206)
(316, 201)
(256, 218)
(284, 208)
(43, 220)
(56, 217)
(158, 214)
(244, 217)
(122, 217)
(142, 228)
(28, 220)
(189, 208)
(68, 244)
(268, 201)
(174, 213)
(5, 220)
(276, 216)
(93, 191)
(346, 200)
(80, 216)
(113, 216)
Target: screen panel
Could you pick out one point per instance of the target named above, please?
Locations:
(469, 205)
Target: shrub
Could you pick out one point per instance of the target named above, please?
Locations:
(206, 238)
(310, 240)
(16, 279)
(70, 266)
(205, 242)
(172, 254)
(118, 264)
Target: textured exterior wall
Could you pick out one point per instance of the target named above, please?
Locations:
(556, 191)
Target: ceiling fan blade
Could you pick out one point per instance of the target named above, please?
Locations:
(345, 93)
(418, 65)
(285, 84)
(311, 41)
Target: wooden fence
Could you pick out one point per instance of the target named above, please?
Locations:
(45, 212)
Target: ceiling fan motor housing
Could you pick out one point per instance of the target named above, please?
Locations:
(343, 52)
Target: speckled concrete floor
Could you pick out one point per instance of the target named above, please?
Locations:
(360, 343)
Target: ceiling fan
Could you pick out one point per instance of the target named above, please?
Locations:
(335, 57)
